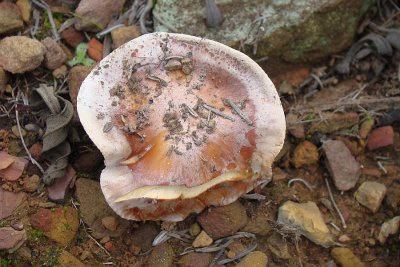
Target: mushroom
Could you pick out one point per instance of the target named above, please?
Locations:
(178, 139)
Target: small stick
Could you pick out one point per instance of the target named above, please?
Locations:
(157, 79)
(302, 181)
(217, 112)
(334, 226)
(23, 143)
(334, 204)
(239, 112)
(173, 57)
(254, 196)
(380, 165)
(191, 111)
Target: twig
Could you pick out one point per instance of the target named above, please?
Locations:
(191, 111)
(254, 196)
(84, 228)
(239, 112)
(144, 15)
(23, 143)
(108, 30)
(334, 204)
(334, 226)
(302, 181)
(380, 165)
(45, 6)
(219, 113)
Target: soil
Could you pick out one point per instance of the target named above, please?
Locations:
(363, 226)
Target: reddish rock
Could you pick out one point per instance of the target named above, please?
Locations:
(9, 201)
(95, 49)
(381, 137)
(54, 56)
(10, 18)
(15, 169)
(72, 37)
(109, 246)
(61, 185)
(342, 166)
(60, 72)
(59, 224)
(76, 76)
(5, 160)
(11, 239)
(223, 221)
(36, 151)
(93, 15)
(305, 153)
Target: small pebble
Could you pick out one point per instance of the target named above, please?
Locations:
(15, 131)
(17, 225)
(194, 229)
(202, 240)
(110, 223)
(105, 239)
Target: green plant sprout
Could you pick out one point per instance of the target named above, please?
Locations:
(80, 56)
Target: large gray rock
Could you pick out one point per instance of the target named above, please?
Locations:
(19, 54)
(294, 30)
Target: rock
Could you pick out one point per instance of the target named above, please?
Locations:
(161, 256)
(36, 151)
(366, 128)
(14, 170)
(60, 72)
(258, 222)
(202, 240)
(9, 201)
(234, 249)
(59, 224)
(196, 259)
(19, 54)
(307, 218)
(72, 37)
(370, 195)
(194, 229)
(105, 239)
(109, 246)
(94, 16)
(124, 34)
(342, 166)
(381, 137)
(31, 183)
(390, 227)
(94, 207)
(332, 121)
(344, 239)
(88, 162)
(292, 28)
(223, 221)
(26, 8)
(61, 185)
(11, 239)
(110, 223)
(3, 79)
(95, 49)
(17, 225)
(254, 259)
(346, 258)
(84, 255)
(75, 78)
(66, 259)
(47, 205)
(10, 18)
(54, 56)
(278, 246)
(15, 131)
(305, 153)
(143, 236)
(296, 129)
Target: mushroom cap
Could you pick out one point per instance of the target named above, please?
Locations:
(183, 123)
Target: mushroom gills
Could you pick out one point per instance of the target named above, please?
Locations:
(168, 192)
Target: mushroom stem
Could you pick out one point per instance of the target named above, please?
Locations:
(213, 15)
